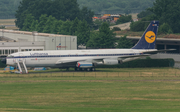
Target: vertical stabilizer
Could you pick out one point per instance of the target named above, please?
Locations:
(148, 40)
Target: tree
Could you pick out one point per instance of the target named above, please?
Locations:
(144, 14)
(116, 5)
(34, 25)
(57, 26)
(168, 11)
(23, 10)
(65, 28)
(64, 9)
(86, 14)
(60, 9)
(49, 25)
(8, 8)
(165, 28)
(94, 40)
(83, 33)
(27, 22)
(127, 10)
(134, 4)
(123, 42)
(97, 24)
(20, 20)
(137, 26)
(74, 26)
(105, 38)
(42, 23)
(124, 19)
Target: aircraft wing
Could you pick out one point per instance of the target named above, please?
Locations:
(75, 60)
(99, 59)
(154, 52)
(67, 61)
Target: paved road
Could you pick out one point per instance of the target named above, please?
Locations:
(122, 26)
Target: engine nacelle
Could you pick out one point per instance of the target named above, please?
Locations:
(84, 64)
(111, 62)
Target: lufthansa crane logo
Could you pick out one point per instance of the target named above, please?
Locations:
(150, 37)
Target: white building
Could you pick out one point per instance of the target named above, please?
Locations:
(17, 41)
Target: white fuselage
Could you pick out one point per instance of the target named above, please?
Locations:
(68, 57)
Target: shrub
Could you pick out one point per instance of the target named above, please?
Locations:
(124, 19)
(2, 27)
(137, 26)
(142, 63)
(116, 29)
(165, 28)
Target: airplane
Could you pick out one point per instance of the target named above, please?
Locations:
(87, 59)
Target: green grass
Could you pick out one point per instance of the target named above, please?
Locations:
(92, 91)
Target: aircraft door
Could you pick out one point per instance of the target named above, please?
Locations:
(21, 57)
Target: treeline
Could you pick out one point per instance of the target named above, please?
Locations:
(104, 38)
(59, 9)
(166, 11)
(64, 17)
(125, 6)
(49, 24)
(8, 7)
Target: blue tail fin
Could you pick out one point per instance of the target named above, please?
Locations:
(148, 40)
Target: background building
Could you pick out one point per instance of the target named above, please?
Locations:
(16, 41)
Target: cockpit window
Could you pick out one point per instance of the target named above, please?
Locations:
(10, 56)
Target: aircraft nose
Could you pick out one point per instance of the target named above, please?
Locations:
(3, 60)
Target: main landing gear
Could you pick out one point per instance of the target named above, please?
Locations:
(84, 69)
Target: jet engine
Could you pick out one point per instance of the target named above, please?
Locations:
(112, 62)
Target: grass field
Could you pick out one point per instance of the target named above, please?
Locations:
(119, 90)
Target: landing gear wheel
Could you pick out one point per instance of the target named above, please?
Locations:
(93, 69)
(83, 69)
(89, 69)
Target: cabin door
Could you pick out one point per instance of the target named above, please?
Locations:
(21, 57)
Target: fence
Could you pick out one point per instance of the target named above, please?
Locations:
(94, 74)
